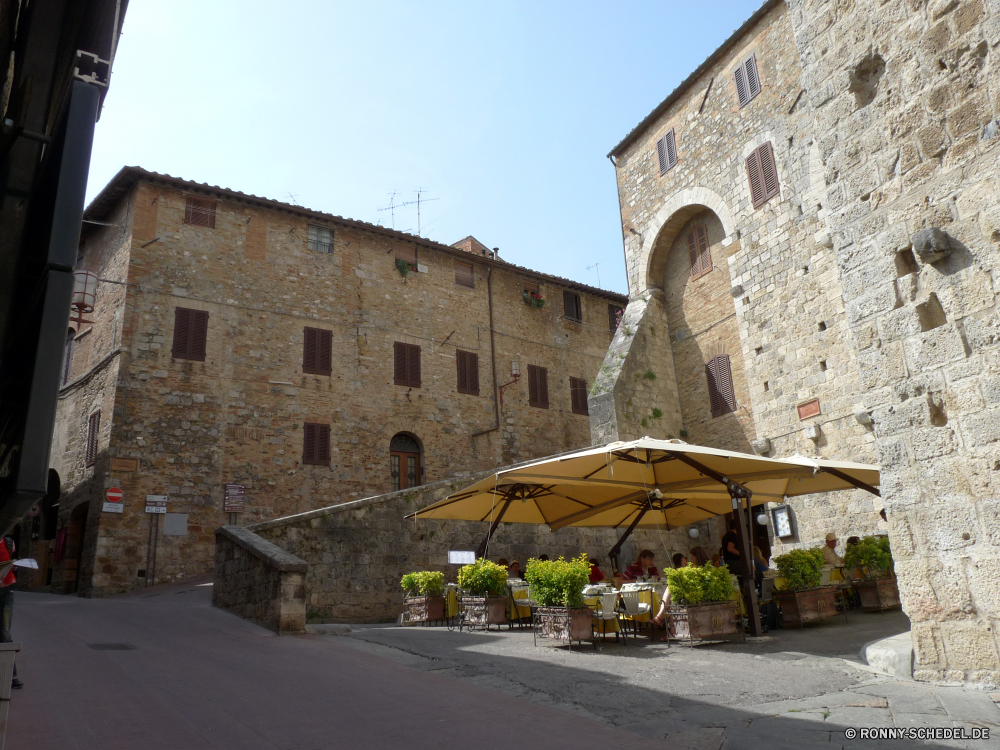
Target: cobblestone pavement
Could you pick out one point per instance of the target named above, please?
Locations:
(791, 689)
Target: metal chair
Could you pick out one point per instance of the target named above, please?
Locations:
(634, 608)
(607, 610)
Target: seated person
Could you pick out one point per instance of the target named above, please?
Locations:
(716, 561)
(659, 622)
(641, 567)
(514, 570)
(699, 556)
(596, 576)
(830, 556)
(502, 562)
(760, 567)
(679, 560)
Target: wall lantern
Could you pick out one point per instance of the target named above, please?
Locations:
(693, 533)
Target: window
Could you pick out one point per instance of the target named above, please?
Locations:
(571, 306)
(747, 81)
(666, 151)
(615, 313)
(316, 444)
(404, 462)
(317, 350)
(532, 294)
(468, 372)
(538, 387)
(68, 355)
(720, 385)
(190, 334)
(463, 274)
(408, 255)
(93, 432)
(200, 212)
(763, 175)
(699, 251)
(406, 370)
(320, 239)
(578, 395)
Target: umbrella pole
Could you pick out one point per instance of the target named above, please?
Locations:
(483, 544)
(616, 550)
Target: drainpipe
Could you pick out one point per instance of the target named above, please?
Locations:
(493, 361)
(621, 218)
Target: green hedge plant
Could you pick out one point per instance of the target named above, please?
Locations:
(871, 556)
(802, 568)
(483, 578)
(692, 585)
(423, 583)
(558, 583)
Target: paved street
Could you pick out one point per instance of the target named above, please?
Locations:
(164, 669)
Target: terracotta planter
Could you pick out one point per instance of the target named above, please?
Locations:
(879, 594)
(806, 605)
(485, 611)
(565, 623)
(706, 622)
(424, 609)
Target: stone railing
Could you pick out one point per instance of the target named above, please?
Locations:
(259, 581)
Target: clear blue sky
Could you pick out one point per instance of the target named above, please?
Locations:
(503, 112)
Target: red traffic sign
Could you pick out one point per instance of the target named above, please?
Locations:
(114, 495)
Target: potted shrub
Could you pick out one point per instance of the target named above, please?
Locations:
(701, 603)
(557, 590)
(484, 593)
(424, 596)
(534, 299)
(872, 559)
(805, 599)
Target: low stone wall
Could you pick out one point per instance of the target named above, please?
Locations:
(259, 581)
(358, 551)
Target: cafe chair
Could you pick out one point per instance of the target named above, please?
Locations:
(634, 609)
(607, 611)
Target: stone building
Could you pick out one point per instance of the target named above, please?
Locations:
(811, 229)
(309, 358)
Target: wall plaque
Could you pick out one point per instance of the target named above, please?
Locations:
(124, 464)
(808, 409)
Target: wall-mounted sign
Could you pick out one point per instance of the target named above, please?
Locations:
(114, 495)
(113, 507)
(156, 503)
(461, 557)
(234, 499)
(124, 464)
(808, 409)
(782, 518)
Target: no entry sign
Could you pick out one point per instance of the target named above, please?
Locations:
(114, 495)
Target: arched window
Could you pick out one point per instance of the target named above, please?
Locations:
(404, 461)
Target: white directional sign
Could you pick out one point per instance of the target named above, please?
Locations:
(156, 503)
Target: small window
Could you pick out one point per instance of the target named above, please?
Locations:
(316, 444)
(406, 365)
(408, 255)
(571, 306)
(532, 293)
(538, 387)
(666, 151)
(317, 351)
(200, 212)
(720, 385)
(468, 372)
(463, 274)
(747, 81)
(615, 313)
(190, 334)
(699, 251)
(320, 239)
(578, 395)
(762, 174)
(93, 433)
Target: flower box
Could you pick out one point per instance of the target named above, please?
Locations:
(713, 621)
(878, 594)
(565, 623)
(483, 611)
(806, 605)
(424, 609)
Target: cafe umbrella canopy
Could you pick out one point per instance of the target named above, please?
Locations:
(646, 483)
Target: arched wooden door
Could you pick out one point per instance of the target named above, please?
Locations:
(405, 466)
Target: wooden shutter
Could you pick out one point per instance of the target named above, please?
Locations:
(532, 386)
(578, 395)
(309, 443)
(692, 245)
(462, 376)
(468, 372)
(182, 326)
(324, 360)
(538, 387)
(740, 79)
(571, 306)
(409, 254)
(699, 251)
(720, 385)
(613, 311)
(753, 80)
(762, 174)
(317, 352)
(190, 334)
(463, 274)
(399, 364)
(666, 151)
(413, 365)
(199, 212)
(199, 335)
(322, 444)
(661, 154)
(714, 397)
(309, 347)
(93, 431)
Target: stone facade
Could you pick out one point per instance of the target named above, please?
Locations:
(259, 581)
(238, 416)
(866, 283)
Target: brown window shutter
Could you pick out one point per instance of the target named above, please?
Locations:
(571, 306)
(692, 245)
(578, 395)
(399, 363)
(462, 376)
(740, 79)
(309, 346)
(725, 380)
(199, 335)
(574, 400)
(714, 397)
(324, 363)
(756, 179)
(472, 373)
(463, 274)
(182, 335)
(323, 444)
(753, 80)
(532, 386)
(408, 254)
(661, 154)
(704, 250)
(93, 431)
(670, 141)
(543, 387)
(309, 441)
(413, 365)
(768, 170)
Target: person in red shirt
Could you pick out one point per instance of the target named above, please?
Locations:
(641, 567)
(596, 576)
(7, 549)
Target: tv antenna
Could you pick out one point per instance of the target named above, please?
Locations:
(293, 198)
(597, 265)
(419, 192)
(391, 208)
